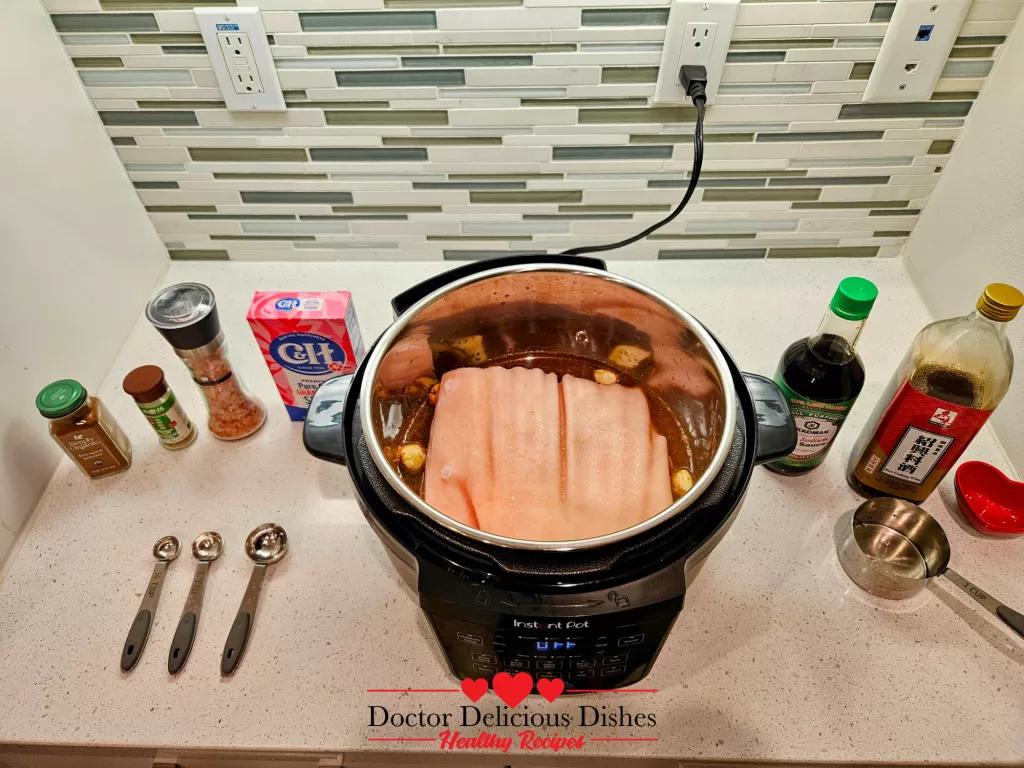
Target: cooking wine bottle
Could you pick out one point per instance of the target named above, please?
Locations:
(821, 376)
(950, 381)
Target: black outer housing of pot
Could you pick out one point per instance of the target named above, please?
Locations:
(595, 618)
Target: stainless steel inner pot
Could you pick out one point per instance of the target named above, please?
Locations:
(518, 315)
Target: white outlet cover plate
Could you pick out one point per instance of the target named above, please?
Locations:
(247, 21)
(914, 64)
(720, 12)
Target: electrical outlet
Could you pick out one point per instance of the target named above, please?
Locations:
(240, 53)
(245, 75)
(914, 51)
(699, 32)
(698, 42)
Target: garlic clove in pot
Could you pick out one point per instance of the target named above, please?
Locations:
(682, 481)
(413, 457)
(472, 347)
(628, 357)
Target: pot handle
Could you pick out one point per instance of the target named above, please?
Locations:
(323, 434)
(776, 430)
(407, 298)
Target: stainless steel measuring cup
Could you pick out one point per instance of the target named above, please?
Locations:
(265, 546)
(205, 549)
(894, 549)
(165, 550)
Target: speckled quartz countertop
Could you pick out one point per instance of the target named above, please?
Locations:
(776, 657)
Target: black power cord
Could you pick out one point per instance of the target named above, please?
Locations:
(694, 79)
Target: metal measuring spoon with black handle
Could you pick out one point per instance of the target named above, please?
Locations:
(264, 546)
(165, 550)
(206, 548)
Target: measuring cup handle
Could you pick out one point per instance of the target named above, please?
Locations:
(238, 637)
(135, 643)
(1012, 619)
(1005, 614)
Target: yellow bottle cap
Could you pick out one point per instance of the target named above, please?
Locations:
(1000, 302)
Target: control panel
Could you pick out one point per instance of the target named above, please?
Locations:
(584, 655)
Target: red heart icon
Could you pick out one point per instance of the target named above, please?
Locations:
(474, 689)
(512, 690)
(551, 688)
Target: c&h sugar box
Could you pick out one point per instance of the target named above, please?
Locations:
(306, 338)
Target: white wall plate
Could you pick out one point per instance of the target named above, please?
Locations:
(916, 46)
(240, 52)
(698, 33)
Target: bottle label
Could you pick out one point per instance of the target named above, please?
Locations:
(918, 440)
(168, 419)
(93, 450)
(817, 425)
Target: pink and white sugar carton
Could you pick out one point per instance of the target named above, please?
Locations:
(306, 338)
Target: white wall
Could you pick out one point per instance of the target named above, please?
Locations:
(971, 233)
(78, 256)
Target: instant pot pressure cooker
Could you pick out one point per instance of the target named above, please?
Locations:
(593, 612)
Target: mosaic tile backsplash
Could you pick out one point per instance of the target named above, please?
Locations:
(464, 129)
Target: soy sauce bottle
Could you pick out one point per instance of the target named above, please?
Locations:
(822, 376)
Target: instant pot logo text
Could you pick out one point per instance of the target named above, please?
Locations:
(516, 723)
(567, 624)
(307, 353)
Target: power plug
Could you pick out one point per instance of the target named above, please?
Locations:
(698, 33)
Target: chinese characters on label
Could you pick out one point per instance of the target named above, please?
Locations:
(916, 455)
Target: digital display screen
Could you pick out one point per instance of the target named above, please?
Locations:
(546, 646)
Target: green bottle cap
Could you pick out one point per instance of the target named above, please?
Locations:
(854, 298)
(60, 398)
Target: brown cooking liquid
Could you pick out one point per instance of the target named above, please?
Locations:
(954, 385)
(945, 382)
(418, 413)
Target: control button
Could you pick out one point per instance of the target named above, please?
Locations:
(486, 658)
(518, 664)
(547, 674)
(582, 674)
(471, 639)
(583, 663)
(629, 640)
(600, 648)
(487, 669)
(620, 659)
(549, 664)
(609, 671)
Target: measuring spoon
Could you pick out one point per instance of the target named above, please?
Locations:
(264, 546)
(165, 550)
(206, 548)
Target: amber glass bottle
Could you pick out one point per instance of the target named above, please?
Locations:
(947, 386)
(84, 429)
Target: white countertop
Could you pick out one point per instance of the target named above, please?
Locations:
(776, 657)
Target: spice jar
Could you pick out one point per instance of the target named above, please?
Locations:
(186, 315)
(84, 429)
(147, 386)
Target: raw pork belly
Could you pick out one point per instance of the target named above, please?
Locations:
(515, 453)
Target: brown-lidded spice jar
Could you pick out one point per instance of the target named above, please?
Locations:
(84, 429)
(148, 387)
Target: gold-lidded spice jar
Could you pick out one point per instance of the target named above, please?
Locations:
(186, 315)
(147, 386)
(84, 429)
